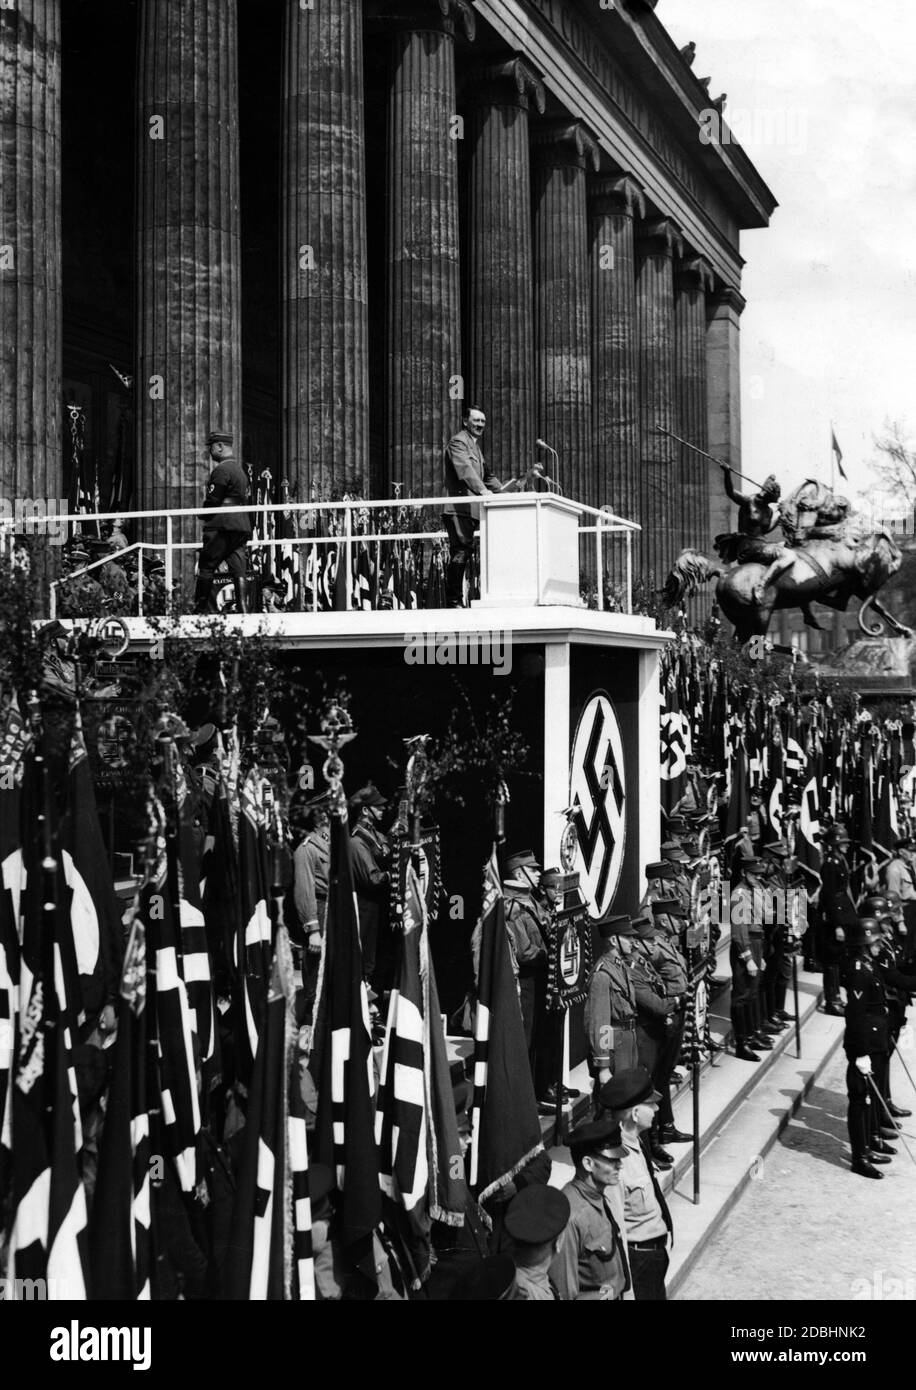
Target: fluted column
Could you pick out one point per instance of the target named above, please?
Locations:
(501, 325)
(613, 204)
(324, 282)
(425, 388)
(562, 154)
(723, 393)
(657, 242)
(692, 281)
(30, 256)
(188, 307)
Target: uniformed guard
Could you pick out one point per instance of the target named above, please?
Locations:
(899, 986)
(836, 912)
(865, 1042)
(535, 1219)
(549, 1023)
(784, 879)
(656, 1016)
(591, 1263)
(662, 882)
(224, 538)
(746, 955)
(610, 1010)
(526, 923)
(673, 854)
(664, 955)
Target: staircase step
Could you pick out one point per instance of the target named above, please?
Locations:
(743, 1108)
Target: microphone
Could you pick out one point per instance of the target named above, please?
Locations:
(542, 444)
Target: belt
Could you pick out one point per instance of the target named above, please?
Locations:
(654, 1244)
(628, 1026)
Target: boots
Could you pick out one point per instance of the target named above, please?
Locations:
(758, 1038)
(739, 1025)
(454, 580)
(203, 596)
(832, 1002)
(782, 989)
(242, 595)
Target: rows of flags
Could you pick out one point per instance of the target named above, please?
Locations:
(812, 764)
(312, 567)
(197, 976)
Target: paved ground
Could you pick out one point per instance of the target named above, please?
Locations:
(805, 1227)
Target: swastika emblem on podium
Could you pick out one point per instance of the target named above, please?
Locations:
(598, 798)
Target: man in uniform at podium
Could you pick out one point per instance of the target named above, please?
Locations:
(466, 473)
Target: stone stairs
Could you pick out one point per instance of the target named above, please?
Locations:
(743, 1107)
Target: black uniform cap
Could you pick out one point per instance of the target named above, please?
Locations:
(537, 1214)
(619, 925)
(595, 1134)
(628, 1088)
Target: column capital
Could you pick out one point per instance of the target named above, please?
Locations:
(693, 273)
(510, 82)
(565, 144)
(441, 16)
(616, 195)
(726, 297)
(661, 237)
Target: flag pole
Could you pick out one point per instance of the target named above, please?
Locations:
(832, 461)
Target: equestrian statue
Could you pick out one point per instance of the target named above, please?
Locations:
(827, 554)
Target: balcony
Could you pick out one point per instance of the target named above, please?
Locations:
(534, 549)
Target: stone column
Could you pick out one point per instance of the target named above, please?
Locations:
(31, 407)
(188, 305)
(613, 204)
(500, 324)
(562, 154)
(723, 394)
(699, 479)
(324, 282)
(425, 388)
(659, 503)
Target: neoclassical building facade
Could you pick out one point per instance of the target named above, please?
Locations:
(325, 225)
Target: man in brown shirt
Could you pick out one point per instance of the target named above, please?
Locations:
(591, 1264)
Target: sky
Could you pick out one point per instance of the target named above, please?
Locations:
(822, 94)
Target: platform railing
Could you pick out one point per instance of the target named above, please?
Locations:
(345, 525)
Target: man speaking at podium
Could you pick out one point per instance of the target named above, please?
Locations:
(466, 472)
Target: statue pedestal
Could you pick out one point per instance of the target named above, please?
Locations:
(529, 551)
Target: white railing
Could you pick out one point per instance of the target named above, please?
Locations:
(353, 528)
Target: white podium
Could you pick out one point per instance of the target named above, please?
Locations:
(529, 550)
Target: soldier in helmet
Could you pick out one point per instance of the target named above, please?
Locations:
(899, 987)
(865, 1042)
